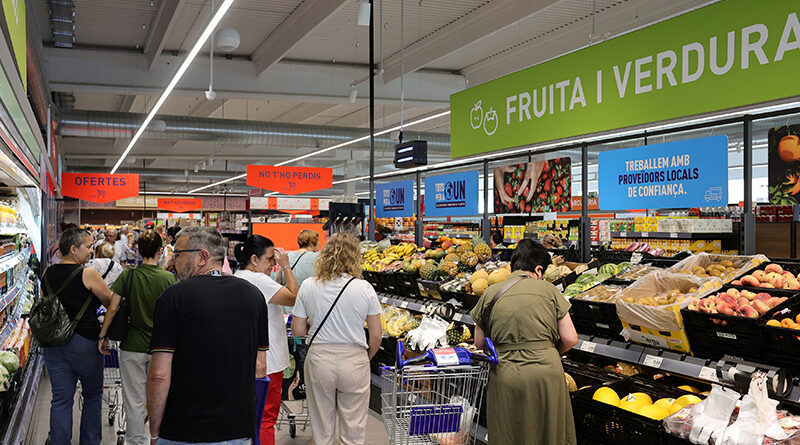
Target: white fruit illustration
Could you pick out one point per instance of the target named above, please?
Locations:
(490, 122)
(476, 116)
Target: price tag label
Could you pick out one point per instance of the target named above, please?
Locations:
(560, 287)
(623, 234)
(653, 361)
(636, 258)
(707, 373)
(726, 335)
(404, 304)
(603, 325)
(587, 346)
(458, 317)
(384, 300)
(645, 234)
(673, 235)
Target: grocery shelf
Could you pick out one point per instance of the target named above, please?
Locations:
(454, 235)
(674, 235)
(11, 324)
(13, 293)
(23, 410)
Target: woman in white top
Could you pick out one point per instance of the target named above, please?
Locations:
(104, 263)
(337, 365)
(256, 257)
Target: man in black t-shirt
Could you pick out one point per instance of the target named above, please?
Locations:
(209, 345)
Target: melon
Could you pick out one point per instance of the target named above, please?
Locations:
(481, 274)
(479, 286)
(498, 276)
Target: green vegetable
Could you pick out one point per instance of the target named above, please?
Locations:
(10, 361)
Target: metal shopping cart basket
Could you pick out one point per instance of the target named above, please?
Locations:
(293, 393)
(112, 391)
(434, 403)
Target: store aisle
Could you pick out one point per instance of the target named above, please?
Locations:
(37, 434)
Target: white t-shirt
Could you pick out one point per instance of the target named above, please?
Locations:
(101, 265)
(346, 322)
(278, 354)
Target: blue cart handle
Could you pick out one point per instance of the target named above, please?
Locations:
(461, 352)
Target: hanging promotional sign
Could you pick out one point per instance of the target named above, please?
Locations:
(394, 199)
(99, 187)
(289, 180)
(691, 64)
(180, 205)
(783, 148)
(455, 194)
(540, 186)
(681, 174)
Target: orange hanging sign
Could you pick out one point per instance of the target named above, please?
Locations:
(99, 187)
(289, 180)
(180, 205)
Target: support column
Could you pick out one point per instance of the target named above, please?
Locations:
(486, 229)
(585, 226)
(418, 210)
(748, 225)
(371, 226)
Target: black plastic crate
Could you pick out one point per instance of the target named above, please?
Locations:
(504, 253)
(793, 267)
(371, 278)
(610, 425)
(430, 289)
(586, 374)
(596, 318)
(715, 335)
(468, 301)
(671, 380)
(781, 345)
(404, 283)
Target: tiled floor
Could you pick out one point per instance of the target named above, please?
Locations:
(37, 434)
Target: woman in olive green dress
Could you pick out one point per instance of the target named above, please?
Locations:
(527, 397)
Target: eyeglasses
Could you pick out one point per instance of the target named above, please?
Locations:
(176, 251)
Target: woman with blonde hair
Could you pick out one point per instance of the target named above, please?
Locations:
(301, 261)
(104, 263)
(331, 309)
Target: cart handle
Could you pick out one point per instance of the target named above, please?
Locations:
(490, 359)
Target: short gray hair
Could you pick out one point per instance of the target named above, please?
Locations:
(205, 238)
(71, 237)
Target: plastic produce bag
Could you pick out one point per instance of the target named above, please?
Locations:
(657, 283)
(712, 415)
(430, 332)
(758, 417)
(462, 435)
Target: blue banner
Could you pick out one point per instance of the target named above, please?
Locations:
(681, 174)
(455, 194)
(394, 199)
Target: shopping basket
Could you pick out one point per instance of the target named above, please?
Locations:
(434, 403)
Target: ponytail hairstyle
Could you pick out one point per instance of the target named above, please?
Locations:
(255, 245)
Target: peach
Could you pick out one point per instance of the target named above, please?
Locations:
(727, 299)
(759, 275)
(772, 277)
(706, 306)
(766, 286)
(747, 311)
(734, 293)
(725, 310)
(793, 284)
(773, 268)
(761, 306)
(774, 301)
(750, 280)
(736, 283)
(762, 296)
(742, 301)
(788, 274)
(749, 295)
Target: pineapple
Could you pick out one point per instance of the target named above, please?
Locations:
(483, 251)
(428, 270)
(452, 257)
(469, 258)
(464, 248)
(449, 268)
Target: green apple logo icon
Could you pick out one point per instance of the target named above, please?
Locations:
(476, 116)
(490, 122)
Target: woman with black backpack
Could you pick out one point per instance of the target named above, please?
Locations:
(80, 291)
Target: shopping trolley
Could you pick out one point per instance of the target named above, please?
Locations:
(434, 403)
(112, 391)
(294, 389)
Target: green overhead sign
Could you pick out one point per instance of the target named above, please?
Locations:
(725, 55)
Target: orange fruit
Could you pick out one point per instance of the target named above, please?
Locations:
(787, 322)
(797, 319)
(789, 148)
(774, 323)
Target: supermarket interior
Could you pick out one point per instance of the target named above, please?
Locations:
(651, 148)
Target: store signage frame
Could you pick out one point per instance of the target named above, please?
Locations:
(638, 78)
(394, 199)
(100, 187)
(453, 194)
(180, 205)
(289, 180)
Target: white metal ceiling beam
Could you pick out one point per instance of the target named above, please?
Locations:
(207, 107)
(479, 23)
(118, 72)
(301, 22)
(611, 22)
(163, 22)
(126, 104)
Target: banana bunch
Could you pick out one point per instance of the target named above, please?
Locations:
(371, 255)
(399, 251)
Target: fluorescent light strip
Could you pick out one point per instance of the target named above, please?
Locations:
(333, 147)
(226, 4)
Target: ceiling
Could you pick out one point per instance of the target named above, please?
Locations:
(295, 64)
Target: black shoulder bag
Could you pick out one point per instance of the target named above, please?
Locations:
(329, 312)
(118, 329)
(50, 324)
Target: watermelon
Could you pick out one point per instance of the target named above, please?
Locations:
(603, 276)
(622, 267)
(586, 278)
(608, 269)
(573, 289)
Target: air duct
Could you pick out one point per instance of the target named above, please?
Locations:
(101, 124)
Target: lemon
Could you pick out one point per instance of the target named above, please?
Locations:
(633, 405)
(654, 412)
(665, 402)
(683, 401)
(640, 396)
(688, 388)
(606, 395)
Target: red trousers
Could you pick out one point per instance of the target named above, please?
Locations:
(271, 408)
